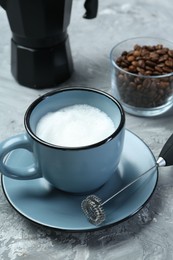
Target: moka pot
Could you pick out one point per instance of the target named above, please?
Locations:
(40, 49)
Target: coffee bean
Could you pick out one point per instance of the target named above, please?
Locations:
(137, 47)
(139, 87)
(162, 51)
(135, 63)
(149, 68)
(167, 69)
(146, 83)
(163, 58)
(159, 46)
(164, 84)
(131, 58)
(132, 68)
(137, 53)
(170, 53)
(141, 63)
(124, 53)
(144, 52)
(145, 61)
(161, 65)
(169, 63)
(154, 56)
(150, 63)
(159, 69)
(140, 71)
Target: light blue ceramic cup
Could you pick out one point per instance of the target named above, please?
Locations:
(76, 170)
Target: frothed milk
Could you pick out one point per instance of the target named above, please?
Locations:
(75, 126)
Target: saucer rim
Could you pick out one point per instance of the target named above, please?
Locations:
(95, 228)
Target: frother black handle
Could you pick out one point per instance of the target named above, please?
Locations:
(91, 7)
(167, 151)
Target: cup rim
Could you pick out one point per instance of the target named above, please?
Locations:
(72, 88)
(133, 74)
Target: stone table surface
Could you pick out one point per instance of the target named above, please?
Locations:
(149, 233)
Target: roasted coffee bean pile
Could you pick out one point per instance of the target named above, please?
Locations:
(149, 61)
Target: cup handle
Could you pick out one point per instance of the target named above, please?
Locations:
(25, 173)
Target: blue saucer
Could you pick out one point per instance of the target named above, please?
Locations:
(38, 201)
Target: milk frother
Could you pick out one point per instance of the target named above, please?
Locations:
(92, 205)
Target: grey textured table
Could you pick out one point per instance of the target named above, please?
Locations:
(148, 234)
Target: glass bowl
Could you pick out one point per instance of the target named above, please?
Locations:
(142, 75)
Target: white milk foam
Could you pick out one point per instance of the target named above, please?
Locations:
(75, 126)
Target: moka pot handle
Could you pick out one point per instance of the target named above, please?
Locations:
(91, 7)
